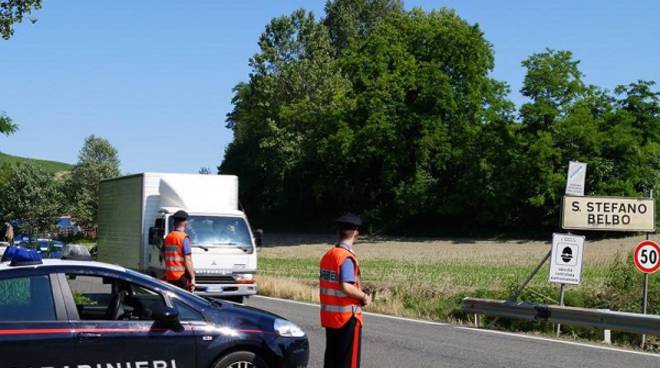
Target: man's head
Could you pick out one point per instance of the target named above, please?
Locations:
(348, 227)
(180, 219)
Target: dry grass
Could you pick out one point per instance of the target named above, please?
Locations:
(454, 251)
(427, 277)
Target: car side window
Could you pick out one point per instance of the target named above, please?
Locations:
(26, 299)
(110, 299)
(186, 313)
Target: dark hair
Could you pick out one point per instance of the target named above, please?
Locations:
(345, 231)
(178, 222)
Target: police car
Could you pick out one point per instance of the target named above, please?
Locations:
(78, 314)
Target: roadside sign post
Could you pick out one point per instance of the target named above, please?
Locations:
(647, 260)
(608, 213)
(566, 261)
(577, 172)
(561, 303)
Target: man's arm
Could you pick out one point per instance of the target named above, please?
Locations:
(347, 278)
(352, 291)
(187, 254)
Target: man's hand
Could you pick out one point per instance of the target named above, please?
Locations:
(366, 300)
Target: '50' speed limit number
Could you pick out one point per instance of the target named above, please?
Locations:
(647, 256)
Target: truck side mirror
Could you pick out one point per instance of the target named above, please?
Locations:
(155, 235)
(259, 237)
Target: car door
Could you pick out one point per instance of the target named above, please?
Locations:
(34, 331)
(115, 325)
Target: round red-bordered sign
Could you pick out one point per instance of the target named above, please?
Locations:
(647, 256)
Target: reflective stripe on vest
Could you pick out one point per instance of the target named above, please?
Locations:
(347, 308)
(333, 292)
(175, 262)
(337, 308)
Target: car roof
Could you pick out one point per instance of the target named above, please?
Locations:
(4, 266)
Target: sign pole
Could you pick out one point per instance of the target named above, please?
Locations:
(645, 301)
(516, 294)
(645, 298)
(561, 303)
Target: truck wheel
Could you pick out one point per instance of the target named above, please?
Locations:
(241, 359)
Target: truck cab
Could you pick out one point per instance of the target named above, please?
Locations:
(223, 251)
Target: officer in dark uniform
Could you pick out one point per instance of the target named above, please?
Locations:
(342, 297)
(177, 252)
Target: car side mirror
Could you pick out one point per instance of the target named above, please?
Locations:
(166, 315)
(259, 237)
(155, 234)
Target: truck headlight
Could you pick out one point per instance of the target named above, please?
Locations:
(287, 329)
(244, 278)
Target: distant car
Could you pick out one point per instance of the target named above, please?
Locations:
(58, 313)
(43, 244)
(55, 250)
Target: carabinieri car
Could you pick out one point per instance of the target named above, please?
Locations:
(72, 314)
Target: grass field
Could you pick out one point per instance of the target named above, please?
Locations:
(427, 278)
(50, 166)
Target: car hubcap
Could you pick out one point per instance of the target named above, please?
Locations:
(242, 365)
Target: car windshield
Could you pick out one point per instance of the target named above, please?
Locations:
(220, 231)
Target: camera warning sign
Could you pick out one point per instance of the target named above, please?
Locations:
(566, 261)
(608, 213)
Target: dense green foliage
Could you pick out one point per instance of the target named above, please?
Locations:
(53, 167)
(38, 191)
(13, 11)
(97, 160)
(394, 114)
(30, 194)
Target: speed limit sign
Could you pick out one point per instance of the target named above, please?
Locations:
(647, 256)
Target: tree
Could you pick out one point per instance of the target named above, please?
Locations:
(13, 11)
(97, 160)
(394, 114)
(7, 126)
(349, 20)
(32, 196)
(295, 84)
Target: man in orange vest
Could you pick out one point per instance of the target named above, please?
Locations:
(342, 298)
(177, 252)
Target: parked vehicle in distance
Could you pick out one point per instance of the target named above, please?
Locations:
(66, 227)
(135, 216)
(43, 245)
(60, 313)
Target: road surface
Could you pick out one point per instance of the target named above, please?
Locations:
(393, 342)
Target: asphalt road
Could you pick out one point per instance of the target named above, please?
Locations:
(391, 342)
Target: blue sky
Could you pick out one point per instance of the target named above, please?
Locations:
(155, 76)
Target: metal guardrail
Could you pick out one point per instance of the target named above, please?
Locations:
(596, 318)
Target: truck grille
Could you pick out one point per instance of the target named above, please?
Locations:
(214, 279)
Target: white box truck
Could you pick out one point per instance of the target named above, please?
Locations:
(135, 215)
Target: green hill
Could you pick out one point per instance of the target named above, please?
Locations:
(50, 166)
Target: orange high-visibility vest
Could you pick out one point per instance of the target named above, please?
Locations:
(175, 263)
(337, 308)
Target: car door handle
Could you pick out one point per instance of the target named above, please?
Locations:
(88, 335)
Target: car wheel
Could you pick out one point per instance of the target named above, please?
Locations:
(241, 359)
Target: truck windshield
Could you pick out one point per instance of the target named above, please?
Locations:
(210, 231)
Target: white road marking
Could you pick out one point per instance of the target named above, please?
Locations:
(472, 329)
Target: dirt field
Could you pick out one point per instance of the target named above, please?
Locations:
(482, 252)
(428, 278)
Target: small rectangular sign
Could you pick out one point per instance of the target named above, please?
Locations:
(566, 260)
(577, 172)
(608, 213)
